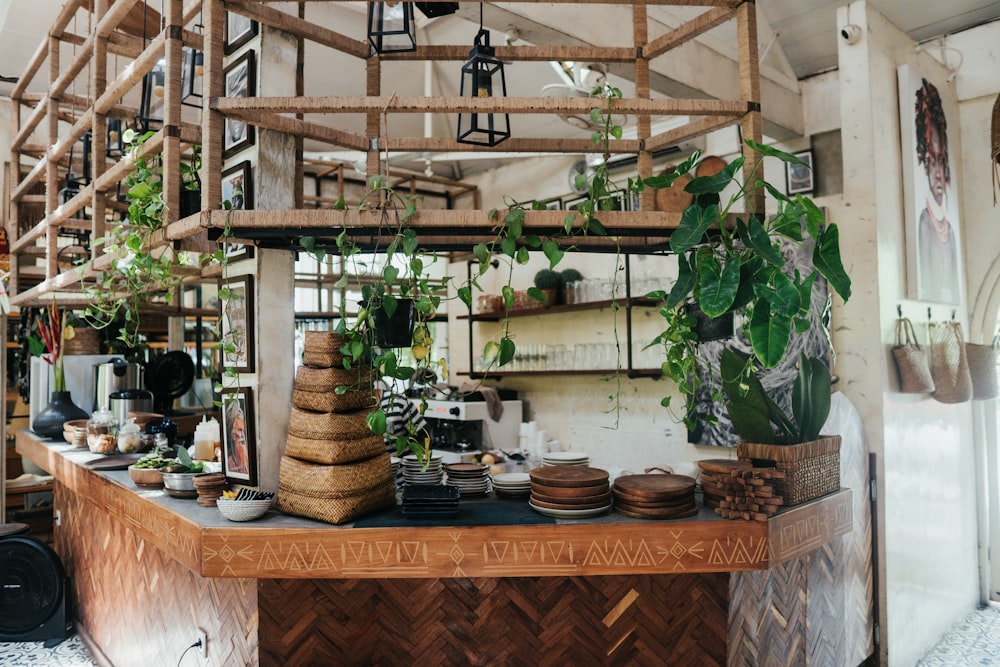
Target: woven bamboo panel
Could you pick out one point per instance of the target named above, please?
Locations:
(623, 620)
(767, 617)
(141, 607)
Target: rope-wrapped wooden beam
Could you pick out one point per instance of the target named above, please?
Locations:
(693, 129)
(679, 3)
(526, 53)
(302, 128)
(688, 31)
(305, 29)
(513, 105)
(66, 14)
(132, 75)
(512, 145)
(55, 152)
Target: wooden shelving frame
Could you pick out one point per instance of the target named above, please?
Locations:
(440, 230)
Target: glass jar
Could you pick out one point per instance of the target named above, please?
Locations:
(101, 432)
(128, 437)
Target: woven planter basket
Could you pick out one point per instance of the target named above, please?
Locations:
(812, 469)
(334, 481)
(328, 401)
(336, 510)
(85, 340)
(328, 379)
(322, 349)
(328, 425)
(334, 451)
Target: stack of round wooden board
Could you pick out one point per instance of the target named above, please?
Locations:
(570, 492)
(655, 496)
(718, 480)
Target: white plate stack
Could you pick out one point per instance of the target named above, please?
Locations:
(565, 459)
(397, 475)
(471, 479)
(415, 474)
(512, 485)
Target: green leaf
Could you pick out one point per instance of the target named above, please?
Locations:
(465, 294)
(815, 219)
(769, 333)
(715, 183)
(508, 296)
(615, 131)
(568, 222)
(389, 274)
(686, 278)
(552, 252)
(409, 211)
(522, 257)
(826, 258)
(410, 241)
(580, 182)
(482, 254)
(376, 422)
(750, 424)
(389, 305)
(594, 226)
(760, 241)
(717, 284)
(340, 204)
(537, 294)
(508, 246)
(507, 349)
(785, 297)
(532, 241)
(695, 221)
(769, 151)
(515, 222)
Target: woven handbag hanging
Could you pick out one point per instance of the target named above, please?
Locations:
(912, 360)
(949, 364)
(983, 368)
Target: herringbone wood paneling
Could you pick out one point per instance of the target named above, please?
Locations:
(538, 621)
(141, 607)
(767, 617)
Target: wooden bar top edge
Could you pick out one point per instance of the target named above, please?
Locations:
(321, 551)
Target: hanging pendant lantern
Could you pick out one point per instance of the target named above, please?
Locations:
(391, 28)
(151, 104)
(192, 77)
(482, 76)
(113, 145)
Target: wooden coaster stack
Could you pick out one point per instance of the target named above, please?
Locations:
(717, 480)
(754, 494)
(209, 488)
(655, 496)
(334, 468)
(570, 492)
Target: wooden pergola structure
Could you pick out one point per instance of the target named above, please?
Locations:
(114, 28)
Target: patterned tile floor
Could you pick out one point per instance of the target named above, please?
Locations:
(973, 642)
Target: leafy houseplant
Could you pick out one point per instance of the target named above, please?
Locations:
(548, 282)
(737, 266)
(139, 273)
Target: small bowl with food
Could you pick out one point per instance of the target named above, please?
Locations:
(179, 473)
(145, 473)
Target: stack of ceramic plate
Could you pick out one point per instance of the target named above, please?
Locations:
(570, 492)
(565, 459)
(512, 485)
(397, 473)
(414, 472)
(655, 496)
(430, 501)
(471, 479)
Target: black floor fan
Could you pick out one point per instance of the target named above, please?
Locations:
(169, 376)
(34, 593)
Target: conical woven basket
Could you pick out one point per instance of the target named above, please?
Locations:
(329, 451)
(328, 425)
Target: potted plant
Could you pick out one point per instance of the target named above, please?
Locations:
(547, 286)
(769, 437)
(48, 423)
(736, 266)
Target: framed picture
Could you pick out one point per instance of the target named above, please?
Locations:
(237, 325)
(930, 190)
(239, 31)
(237, 186)
(573, 203)
(800, 178)
(239, 442)
(554, 204)
(241, 81)
(238, 251)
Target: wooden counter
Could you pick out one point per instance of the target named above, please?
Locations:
(266, 589)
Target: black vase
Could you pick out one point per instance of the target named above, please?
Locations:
(710, 328)
(49, 422)
(396, 331)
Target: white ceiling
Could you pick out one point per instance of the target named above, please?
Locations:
(799, 37)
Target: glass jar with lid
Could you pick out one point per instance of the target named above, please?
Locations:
(101, 432)
(128, 437)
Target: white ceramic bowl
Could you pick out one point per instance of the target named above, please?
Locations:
(243, 510)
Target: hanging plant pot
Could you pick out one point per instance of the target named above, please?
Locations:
(397, 330)
(710, 328)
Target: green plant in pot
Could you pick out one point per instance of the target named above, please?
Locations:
(733, 264)
(548, 284)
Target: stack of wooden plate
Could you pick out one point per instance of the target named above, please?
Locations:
(655, 496)
(512, 485)
(565, 459)
(570, 492)
(471, 479)
(719, 479)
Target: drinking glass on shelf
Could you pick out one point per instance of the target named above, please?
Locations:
(569, 294)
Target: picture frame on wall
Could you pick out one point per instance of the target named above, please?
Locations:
(236, 323)
(800, 179)
(239, 31)
(241, 81)
(237, 186)
(239, 442)
(927, 119)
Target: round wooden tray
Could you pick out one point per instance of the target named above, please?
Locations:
(655, 487)
(674, 198)
(562, 492)
(710, 166)
(603, 498)
(570, 506)
(569, 476)
(645, 514)
(671, 503)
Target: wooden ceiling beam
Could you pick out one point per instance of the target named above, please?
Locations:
(528, 53)
(305, 29)
(688, 31)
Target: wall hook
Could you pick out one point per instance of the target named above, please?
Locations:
(899, 310)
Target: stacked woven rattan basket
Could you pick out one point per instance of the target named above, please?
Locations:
(334, 468)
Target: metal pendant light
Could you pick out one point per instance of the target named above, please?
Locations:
(113, 144)
(191, 77)
(482, 76)
(391, 28)
(151, 104)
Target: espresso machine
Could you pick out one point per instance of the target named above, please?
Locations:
(465, 425)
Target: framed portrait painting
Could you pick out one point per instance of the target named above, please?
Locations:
(930, 189)
(237, 325)
(799, 178)
(239, 442)
(237, 186)
(241, 81)
(239, 31)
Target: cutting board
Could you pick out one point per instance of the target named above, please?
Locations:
(569, 476)
(655, 487)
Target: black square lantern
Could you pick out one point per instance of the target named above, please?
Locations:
(482, 76)
(151, 104)
(391, 28)
(191, 77)
(113, 146)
